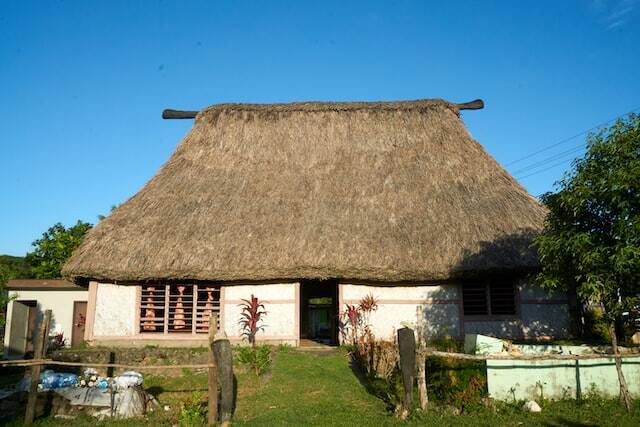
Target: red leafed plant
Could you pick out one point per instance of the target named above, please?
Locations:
(252, 313)
(353, 314)
(358, 315)
(368, 304)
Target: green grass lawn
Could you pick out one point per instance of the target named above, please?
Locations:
(322, 390)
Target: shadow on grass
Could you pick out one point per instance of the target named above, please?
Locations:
(565, 422)
(377, 387)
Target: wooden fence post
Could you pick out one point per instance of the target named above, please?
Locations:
(212, 417)
(112, 390)
(407, 347)
(421, 358)
(224, 358)
(112, 360)
(40, 350)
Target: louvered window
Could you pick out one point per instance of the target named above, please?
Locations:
(178, 308)
(488, 299)
(474, 298)
(502, 296)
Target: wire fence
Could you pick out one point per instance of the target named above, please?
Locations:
(41, 362)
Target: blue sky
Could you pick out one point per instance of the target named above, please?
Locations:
(83, 84)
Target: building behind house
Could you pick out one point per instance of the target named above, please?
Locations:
(29, 299)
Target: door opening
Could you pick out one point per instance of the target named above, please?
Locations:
(23, 327)
(79, 322)
(319, 311)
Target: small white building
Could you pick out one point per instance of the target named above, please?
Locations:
(29, 299)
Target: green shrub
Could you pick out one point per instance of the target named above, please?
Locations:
(389, 389)
(284, 348)
(258, 359)
(192, 412)
(460, 383)
(595, 325)
(448, 344)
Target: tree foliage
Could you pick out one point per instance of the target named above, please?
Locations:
(591, 241)
(11, 267)
(15, 267)
(4, 296)
(54, 249)
(592, 236)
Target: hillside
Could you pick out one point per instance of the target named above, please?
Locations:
(16, 266)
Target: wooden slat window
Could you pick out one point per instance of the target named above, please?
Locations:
(503, 298)
(178, 308)
(208, 301)
(474, 299)
(496, 298)
(152, 308)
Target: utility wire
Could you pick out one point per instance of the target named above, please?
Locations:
(546, 160)
(546, 169)
(570, 138)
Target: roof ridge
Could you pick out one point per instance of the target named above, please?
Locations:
(334, 106)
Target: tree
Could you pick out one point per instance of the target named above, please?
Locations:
(5, 275)
(591, 241)
(55, 248)
(11, 267)
(15, 267)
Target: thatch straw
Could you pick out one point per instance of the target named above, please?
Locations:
(372, 191)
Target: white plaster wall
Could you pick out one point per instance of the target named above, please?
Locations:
(440, 319)
(529, 291)
(534, 320)
(285, 291)
(279, 321)
(281, 318)
(115, 310)
(398, 304)
(495, 328)
(545, 320)
(59, 302)
(418, 293)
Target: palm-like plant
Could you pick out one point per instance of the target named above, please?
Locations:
(368, 303)
(358, 315)
(353, 314)
(252, 313)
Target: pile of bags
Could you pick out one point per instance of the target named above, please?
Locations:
(50, 380)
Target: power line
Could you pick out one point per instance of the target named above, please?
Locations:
(546, 169)
(545, 161)
(547, 148)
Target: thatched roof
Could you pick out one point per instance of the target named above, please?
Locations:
(386, 191)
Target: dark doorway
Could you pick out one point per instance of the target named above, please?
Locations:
(319, 311)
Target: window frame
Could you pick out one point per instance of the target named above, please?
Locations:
(487, 287)
(194, 319)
